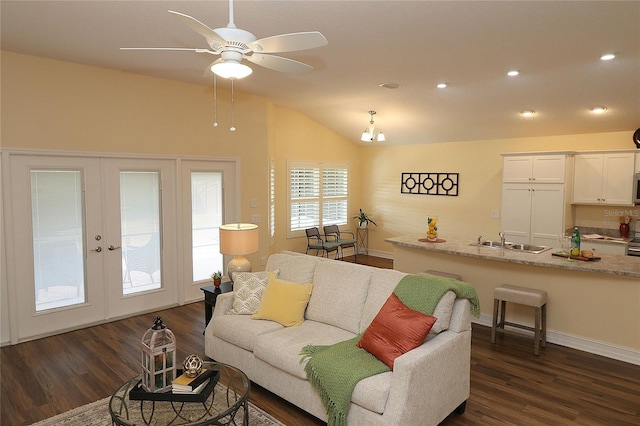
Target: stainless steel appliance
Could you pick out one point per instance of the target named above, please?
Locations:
(634, 245)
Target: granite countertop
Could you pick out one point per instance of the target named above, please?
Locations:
(628, 266)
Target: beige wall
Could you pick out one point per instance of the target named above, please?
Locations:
(53, 105)
(479, 164)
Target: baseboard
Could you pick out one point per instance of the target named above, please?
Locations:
(377, 253)
(576, 342)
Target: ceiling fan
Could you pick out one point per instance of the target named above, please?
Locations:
(234, 44)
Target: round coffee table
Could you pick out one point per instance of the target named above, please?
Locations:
(222, 406)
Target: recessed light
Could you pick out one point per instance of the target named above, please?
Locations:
(390, 85)
(442, 85)
(607, 57)
(598, 110)
(528, 113)
(513, 73)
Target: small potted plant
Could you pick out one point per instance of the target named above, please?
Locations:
(217, 278)
(364, 219)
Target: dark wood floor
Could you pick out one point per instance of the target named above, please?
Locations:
(509, 385)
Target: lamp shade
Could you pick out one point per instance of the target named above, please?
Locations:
(238, 239)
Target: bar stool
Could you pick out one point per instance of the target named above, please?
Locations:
(523, 296)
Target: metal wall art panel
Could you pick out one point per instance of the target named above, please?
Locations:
(430, 184)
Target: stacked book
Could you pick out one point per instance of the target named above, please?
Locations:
(192, 385)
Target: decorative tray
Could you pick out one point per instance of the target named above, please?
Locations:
(425, 240)
(138, 392)
(582, 258)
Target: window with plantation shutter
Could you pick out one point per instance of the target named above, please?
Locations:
(319, 195)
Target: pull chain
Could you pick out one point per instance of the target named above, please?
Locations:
(215, 102)
(232, 128)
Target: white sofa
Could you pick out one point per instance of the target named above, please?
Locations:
(427, 383)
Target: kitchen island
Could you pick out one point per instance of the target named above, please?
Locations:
(593, 306)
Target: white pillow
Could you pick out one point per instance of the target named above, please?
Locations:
(247, 291)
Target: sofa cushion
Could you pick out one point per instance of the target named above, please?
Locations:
(295, 268)
(383, 282)
(247, 292)
(241, 330)
(282, 348)
(339, 294)
(283, 301)
(395, 330)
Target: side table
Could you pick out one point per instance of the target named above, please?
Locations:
(210, 295)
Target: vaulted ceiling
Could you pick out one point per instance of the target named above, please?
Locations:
(470, 45)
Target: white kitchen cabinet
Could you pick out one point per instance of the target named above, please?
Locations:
(604, 178)
(533, 213)
(538, 168)
(601, 247)
(535, 199)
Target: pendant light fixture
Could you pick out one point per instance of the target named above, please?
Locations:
(371, 133)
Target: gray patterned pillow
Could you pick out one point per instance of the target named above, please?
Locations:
(247, 291)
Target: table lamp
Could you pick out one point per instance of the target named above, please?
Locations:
(238, 239)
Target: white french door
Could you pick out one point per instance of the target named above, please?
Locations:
(140, 217)
(210, 200)
(90, 241)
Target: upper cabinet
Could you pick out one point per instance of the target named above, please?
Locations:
(604, 178)
(538, 168)
(535, 198)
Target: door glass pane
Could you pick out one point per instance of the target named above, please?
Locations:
(58, 227)
(206, 218)
(140, 228)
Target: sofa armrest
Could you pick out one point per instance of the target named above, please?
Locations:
(430, 381)
(224, 303)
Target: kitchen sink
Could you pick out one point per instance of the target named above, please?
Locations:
(527, 248)
(494, 244)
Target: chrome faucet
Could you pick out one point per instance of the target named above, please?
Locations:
(480, 240)
(503, 236)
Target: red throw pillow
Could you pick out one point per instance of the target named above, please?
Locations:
(395, 330)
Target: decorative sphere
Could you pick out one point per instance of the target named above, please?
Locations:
(192, 365)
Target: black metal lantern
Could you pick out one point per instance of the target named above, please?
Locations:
(158, 358)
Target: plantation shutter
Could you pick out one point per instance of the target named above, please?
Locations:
(334, 196)
(305, 198)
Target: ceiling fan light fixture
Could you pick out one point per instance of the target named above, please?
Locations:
(231, 69)
(381, 137)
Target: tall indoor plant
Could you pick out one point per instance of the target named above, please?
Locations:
(364, 219)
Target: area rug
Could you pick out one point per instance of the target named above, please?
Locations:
(97, 414)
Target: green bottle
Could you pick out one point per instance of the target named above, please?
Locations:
(575, 242)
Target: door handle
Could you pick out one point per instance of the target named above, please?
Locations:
(97, 249)
(112, 247)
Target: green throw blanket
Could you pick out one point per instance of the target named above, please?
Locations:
(335, 370)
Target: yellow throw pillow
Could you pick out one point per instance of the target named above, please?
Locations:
(283, 301)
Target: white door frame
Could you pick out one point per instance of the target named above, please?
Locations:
(174, 228)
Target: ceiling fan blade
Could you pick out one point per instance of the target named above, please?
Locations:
(199, 27)
(278, 63)
(289, 42)
(171, 48)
